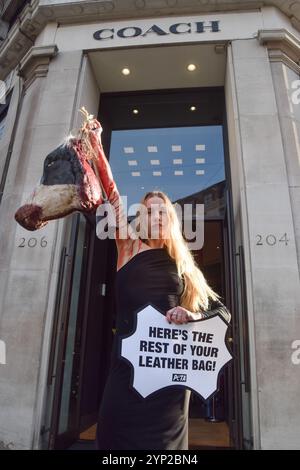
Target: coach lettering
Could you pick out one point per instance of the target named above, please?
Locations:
(129, 32)
(104, 34)
(210, 25)
(155, 29)
(176, 28)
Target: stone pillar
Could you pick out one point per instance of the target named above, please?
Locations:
(284, 55)
(29, 260)
(269, 238)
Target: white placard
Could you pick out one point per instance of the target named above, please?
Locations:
(163, 354)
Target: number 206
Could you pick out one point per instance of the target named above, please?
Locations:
(33, 242)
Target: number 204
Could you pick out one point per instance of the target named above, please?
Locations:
(271, 239)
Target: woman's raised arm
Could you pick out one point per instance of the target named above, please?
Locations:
(125, 235)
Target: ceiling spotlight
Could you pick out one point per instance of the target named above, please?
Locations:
(125, 71)
(193, 108)
(191, 67)
(135, 111)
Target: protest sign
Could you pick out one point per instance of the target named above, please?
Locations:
(163, 354)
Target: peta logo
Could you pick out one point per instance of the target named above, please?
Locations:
(179, 378)
(2, 352)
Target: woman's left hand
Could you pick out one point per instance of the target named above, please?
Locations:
(180, 315)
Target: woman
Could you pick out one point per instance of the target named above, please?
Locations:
(154, 265)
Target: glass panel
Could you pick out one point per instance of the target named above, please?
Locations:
(185, 162)
(209, 420)
(69, 356)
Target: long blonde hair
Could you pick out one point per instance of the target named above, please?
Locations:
(197, 292)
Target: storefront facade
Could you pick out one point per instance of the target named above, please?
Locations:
(59, 56)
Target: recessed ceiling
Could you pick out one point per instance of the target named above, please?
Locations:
(154, 68)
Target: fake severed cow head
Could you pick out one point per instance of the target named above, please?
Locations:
(69, 183)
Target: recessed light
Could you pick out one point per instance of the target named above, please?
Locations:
(191, 67)
(125, 71)
(135, 111)
(193, 108)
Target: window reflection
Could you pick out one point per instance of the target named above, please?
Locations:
(187, 163)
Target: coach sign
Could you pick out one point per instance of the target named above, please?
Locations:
(206, 27)
(154, 29)
(162, 354)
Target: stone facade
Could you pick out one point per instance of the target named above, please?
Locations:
(51, 77)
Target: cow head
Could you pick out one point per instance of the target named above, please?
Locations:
(69, 182)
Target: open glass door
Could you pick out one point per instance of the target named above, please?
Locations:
(63, 376)
(80, 343)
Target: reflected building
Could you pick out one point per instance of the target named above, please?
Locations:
(213, 198)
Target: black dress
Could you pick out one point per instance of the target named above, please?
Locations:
(126, 420)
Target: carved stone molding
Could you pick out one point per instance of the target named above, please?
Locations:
(282, 46)
(38, 13)
(36, 63)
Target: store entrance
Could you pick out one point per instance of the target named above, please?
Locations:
(174, 142)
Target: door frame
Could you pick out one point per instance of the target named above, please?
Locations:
(216, 117)
(67, 266)
(233, 368)
(60, 328)
(59, 341)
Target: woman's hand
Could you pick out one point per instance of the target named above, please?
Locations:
(180, 315)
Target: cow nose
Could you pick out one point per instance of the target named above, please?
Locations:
(29, 216)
